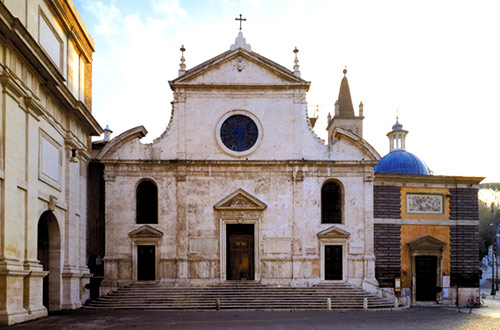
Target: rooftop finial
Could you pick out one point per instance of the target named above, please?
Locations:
(182, 66)
(107, 133)
(345, 70)
(296, 69)
(241, 42)
(241, 20)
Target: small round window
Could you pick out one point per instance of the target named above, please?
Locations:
(239, 133)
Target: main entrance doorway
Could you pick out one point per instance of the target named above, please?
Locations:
(426, 274)
(240, 252)
(333, 262)
(146, 262)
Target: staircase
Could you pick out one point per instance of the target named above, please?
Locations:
(240, 296)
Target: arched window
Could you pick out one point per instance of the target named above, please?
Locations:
(147, 203)
(331, 203)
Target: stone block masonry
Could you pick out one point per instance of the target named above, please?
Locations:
(387, 202)
(463, 204)
(387, 239)
(464, 239)
(464, 256)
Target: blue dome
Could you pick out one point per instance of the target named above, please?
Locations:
(401, 162)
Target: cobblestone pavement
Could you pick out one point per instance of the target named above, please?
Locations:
(425, 318)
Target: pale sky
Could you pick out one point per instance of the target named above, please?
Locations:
(437, 61)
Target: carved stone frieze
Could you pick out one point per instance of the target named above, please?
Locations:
(424, 203)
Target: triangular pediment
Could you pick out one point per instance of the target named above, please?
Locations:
(239, 67)
(427, 243)
(334, 232)
(240, 200)
(146, 232)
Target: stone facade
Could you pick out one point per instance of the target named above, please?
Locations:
(46, 62)
(206, 189)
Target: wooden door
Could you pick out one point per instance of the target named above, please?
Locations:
(146, 263)
(426, 275)
(333, 262)
(241, 257)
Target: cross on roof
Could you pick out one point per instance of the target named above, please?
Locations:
(240, 19)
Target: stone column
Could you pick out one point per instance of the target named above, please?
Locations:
(370, 283)
(181, 227)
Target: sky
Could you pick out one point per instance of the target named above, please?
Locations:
(435, 64)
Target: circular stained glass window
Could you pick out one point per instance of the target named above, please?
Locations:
(239, 133)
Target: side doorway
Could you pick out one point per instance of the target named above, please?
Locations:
(49, 255)
(146, 262)
(333, 262)
(426, 255)
(426, 278)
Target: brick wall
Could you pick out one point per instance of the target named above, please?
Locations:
(387, 202)
(463, 204)
(464, 256)
(387, 240)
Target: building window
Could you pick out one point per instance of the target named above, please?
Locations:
(331, 203)
(239, 133)
(147, 203)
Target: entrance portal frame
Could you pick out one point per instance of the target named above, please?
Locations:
(239, 207)
(224, 248)
(145, 235)
(333, 236)
(426, 246)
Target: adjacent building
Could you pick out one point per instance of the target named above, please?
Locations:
(426, 228)
(45, 129)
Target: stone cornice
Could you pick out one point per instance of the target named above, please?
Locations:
(113, 145)
(358, 141)
(195, 162)
(12, 28)
(74, 26)
(282, 72)
(238, 86)
(400, 179)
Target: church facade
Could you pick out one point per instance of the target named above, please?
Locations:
(239, 187)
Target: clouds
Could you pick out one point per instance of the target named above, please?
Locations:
(435, 61)
(108, 16)
(169, 9)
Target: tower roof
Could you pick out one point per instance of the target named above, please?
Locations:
(345, 103)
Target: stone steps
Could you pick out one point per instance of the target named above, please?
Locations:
(240, 296)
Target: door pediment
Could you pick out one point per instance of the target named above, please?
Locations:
(146, 232)
(240, 200)
(427, 243)
(334, 232)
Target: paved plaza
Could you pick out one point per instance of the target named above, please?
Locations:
(425, 318)
(486, 317)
